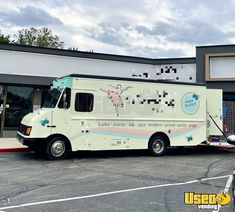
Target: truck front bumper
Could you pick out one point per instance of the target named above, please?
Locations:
(29, 142)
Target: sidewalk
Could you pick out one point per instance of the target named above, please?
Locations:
(11, 145)
(223, 145)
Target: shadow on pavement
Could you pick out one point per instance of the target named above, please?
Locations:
(135, 153)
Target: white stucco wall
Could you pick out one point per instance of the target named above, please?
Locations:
(35, 64)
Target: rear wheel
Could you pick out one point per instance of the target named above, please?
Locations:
(158, 146)
(57, 148)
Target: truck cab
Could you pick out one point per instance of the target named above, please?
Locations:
(39, 130)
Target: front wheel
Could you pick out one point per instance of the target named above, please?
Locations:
(158, 146)
(57, 148)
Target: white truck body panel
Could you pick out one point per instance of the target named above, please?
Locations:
(125, 114)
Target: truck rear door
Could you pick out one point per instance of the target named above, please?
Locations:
(214, 108)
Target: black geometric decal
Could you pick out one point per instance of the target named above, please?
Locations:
(161, 96)
(167, 70)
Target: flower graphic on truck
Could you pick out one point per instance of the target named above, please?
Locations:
(114, 95)
(44, 122)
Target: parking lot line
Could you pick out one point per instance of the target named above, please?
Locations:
(115, 192)
(226, 188)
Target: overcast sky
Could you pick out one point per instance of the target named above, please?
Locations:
(145, 28)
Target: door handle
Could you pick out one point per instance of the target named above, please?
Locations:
(52, 126)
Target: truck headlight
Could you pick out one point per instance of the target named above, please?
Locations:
(28, 130)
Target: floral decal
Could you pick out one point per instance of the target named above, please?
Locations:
(190, 138)
(44, 122)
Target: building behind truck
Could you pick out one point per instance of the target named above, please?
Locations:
(84, 112)
(27, 72)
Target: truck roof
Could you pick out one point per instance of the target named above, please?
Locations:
(131, 79)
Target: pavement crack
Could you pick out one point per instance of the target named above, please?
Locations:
(211, 184)
(125, 175)
(165, 200)
(6, 200)
(206, 175)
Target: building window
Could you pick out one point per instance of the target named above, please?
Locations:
(220, 67)
(84, 102)
(44, 92)
(18, 104)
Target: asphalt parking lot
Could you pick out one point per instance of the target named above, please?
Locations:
(113, 181)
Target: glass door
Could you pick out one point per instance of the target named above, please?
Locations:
(19, 103)
(2, 108)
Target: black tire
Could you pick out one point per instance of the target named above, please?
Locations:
(158, 145)
(57, 148)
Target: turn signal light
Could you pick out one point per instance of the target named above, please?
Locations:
(28, 130)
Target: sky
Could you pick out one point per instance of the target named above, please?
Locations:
(143, 28)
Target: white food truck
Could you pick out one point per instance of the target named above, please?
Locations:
(84, 112)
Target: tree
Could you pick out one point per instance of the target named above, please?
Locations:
(39, 37)
(4, 39)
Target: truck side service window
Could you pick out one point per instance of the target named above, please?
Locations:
(84, 102)
(67, 92)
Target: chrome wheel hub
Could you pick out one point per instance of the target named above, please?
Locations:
(158, 146)
(58, 148)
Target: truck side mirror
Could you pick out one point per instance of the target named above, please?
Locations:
(65, 104)
(65, 99)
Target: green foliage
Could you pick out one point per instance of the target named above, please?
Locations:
(39, 37)
(4, 39)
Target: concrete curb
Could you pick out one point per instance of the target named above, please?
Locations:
(227, 148)
(224, 146)
(6, 150)
(11, 145)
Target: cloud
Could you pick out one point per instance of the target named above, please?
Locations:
(28, 16)
(109, 33)
(196, 32)
(158, 52)
(151, 28)
(136, 40)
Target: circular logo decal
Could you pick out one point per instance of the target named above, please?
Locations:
(190, 103)
(223, 199)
